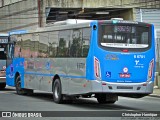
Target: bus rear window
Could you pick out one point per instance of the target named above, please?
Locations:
(124, 36)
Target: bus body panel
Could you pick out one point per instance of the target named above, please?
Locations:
(124, 68)
(108, 87)
(123, 72)
(36, 73)
(17, 66)
(39, 74)
(77, 76)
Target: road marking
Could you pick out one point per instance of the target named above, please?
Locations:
(133, 99)
(7, 92)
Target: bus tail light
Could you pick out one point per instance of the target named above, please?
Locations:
(150, 69)
(144, 84)
(125, 50)
(97, 70)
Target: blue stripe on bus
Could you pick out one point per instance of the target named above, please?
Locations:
(61, 75)
(70, 76)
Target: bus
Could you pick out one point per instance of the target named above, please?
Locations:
(4, 38)
(99, 58)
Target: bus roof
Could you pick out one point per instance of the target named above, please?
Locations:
(17, 32)
(72, 24)
(4, 34)
(70, 21)
(54, 27)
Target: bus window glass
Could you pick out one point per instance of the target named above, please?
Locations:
(64, 43)
(125, 36)
(3, 46)
(26, 46)
(53, 43)
(35, 45)
(76, 43)
(85, 42)
(10, 51)
(3, 51)
(144, 37)
(17, 50)
(43, 45)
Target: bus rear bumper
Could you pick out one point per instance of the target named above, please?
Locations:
(109, 87)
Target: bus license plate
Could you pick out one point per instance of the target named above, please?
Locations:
(124, 75)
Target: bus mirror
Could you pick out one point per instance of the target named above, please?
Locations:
(94, 27)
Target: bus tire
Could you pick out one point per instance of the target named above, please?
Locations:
(2, 86)
(19, 90)
(111, 102)
(101, 98)
(111, 98)
(106, 98)
(57, 92)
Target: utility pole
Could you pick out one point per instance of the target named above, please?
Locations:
(39, 2)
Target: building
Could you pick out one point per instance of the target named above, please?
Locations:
(30, 14)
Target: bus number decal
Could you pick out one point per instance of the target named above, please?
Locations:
(139, 56)
(138, 61)
(80, 66)
(4, 40)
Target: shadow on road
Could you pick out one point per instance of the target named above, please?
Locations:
(85, 103)
(7, 89)
(93, 104)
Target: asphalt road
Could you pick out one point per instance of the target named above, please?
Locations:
(41, 101)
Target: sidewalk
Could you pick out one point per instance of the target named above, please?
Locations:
(156, 92)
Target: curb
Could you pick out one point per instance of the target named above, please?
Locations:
(154, 95)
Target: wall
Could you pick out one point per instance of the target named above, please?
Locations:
(20, 15)
(151, 16)
(122, 3)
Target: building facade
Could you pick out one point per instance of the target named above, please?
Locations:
(30, 14)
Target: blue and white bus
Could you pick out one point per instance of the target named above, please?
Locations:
(103, 59)
(4, 38)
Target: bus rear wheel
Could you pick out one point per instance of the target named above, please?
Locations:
(19, 90)
(2, 86)
(57, 92)
(101, 98)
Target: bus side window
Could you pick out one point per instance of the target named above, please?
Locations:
(17, 45)
(11, 51)
(43, 45)
(64, 43)
(76, 43)
(53, 43)
(85, 41)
